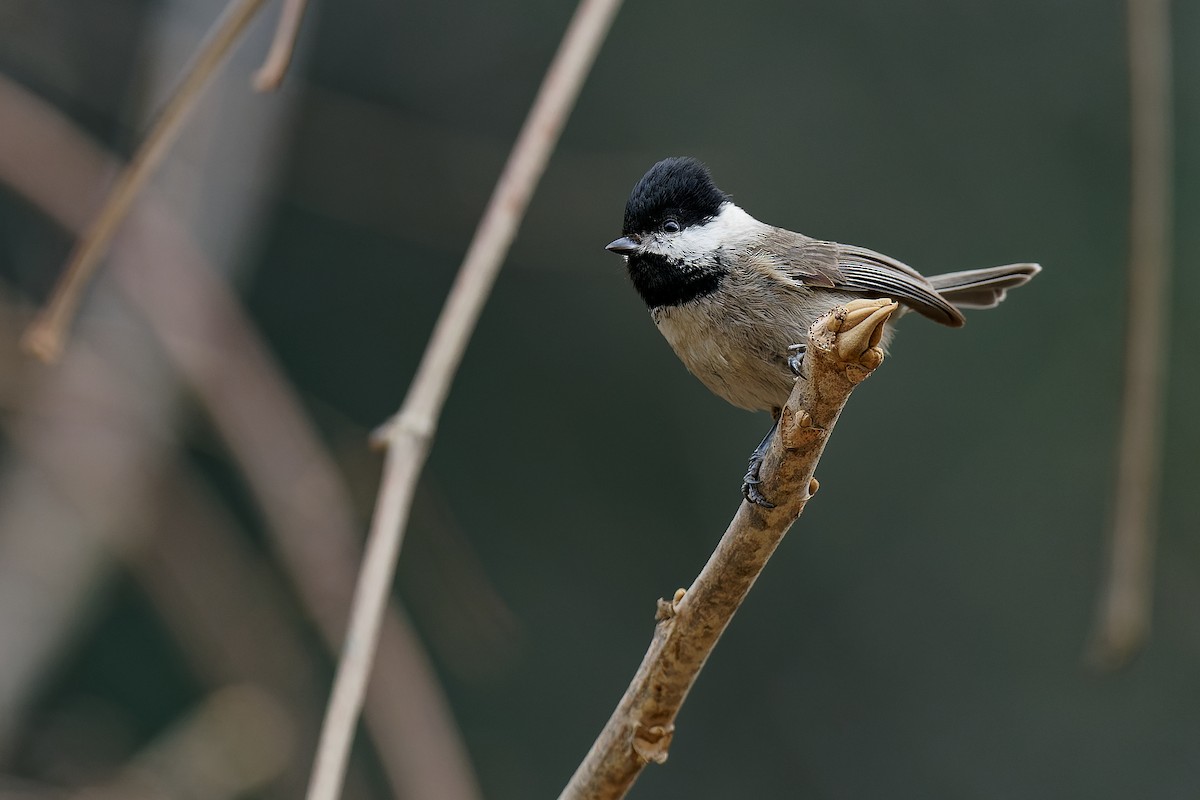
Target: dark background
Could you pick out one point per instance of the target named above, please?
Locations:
(920, 632)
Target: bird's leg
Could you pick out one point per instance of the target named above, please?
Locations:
(796, 359)
(751, 480)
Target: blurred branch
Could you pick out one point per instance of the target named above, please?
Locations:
(46, 336)
(842, 352)
(308, 512)
(1125, 601)
(88, 437)
(227, 609)
(207, 582)
(235, 741)
(45, 158)
(271, 73)
(409, 435)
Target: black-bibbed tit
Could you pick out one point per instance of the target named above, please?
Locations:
(734, 296)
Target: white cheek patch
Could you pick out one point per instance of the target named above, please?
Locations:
(731, 225)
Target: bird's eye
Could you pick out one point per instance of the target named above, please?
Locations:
(671, 226)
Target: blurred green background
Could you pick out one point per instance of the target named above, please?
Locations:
(919, 633)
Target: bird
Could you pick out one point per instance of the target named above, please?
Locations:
(734, 297)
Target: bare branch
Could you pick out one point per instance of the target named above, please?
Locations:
(46, 336)
(271, 73)
(410, 433)
(842, 352)
(1124, 607)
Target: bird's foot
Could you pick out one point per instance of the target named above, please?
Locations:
(751, 482)
(795, 360)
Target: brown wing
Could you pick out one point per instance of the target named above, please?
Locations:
(861, 271)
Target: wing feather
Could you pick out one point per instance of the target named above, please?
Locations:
(871, 272)
(817, 263)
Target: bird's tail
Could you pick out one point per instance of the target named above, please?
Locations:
(982, 288)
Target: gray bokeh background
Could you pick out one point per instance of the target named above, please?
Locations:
(920, 631)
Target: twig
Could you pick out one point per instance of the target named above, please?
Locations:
(270, 74)
(842, 351)
(46, 159)
(1124, 607)
(46, 336)
(409, 434)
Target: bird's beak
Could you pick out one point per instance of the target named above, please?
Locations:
(623, 246)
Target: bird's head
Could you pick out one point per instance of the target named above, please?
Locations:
(677, 222)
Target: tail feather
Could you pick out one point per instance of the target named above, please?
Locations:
(982, 288)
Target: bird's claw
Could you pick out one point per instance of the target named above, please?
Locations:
(751, 482)
(795, 360)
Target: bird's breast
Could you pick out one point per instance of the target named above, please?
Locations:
(737, 343)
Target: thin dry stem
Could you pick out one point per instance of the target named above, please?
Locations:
(1124, 607)
(271, 73)
(409, 434)
(46, 336)
(841, 354)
